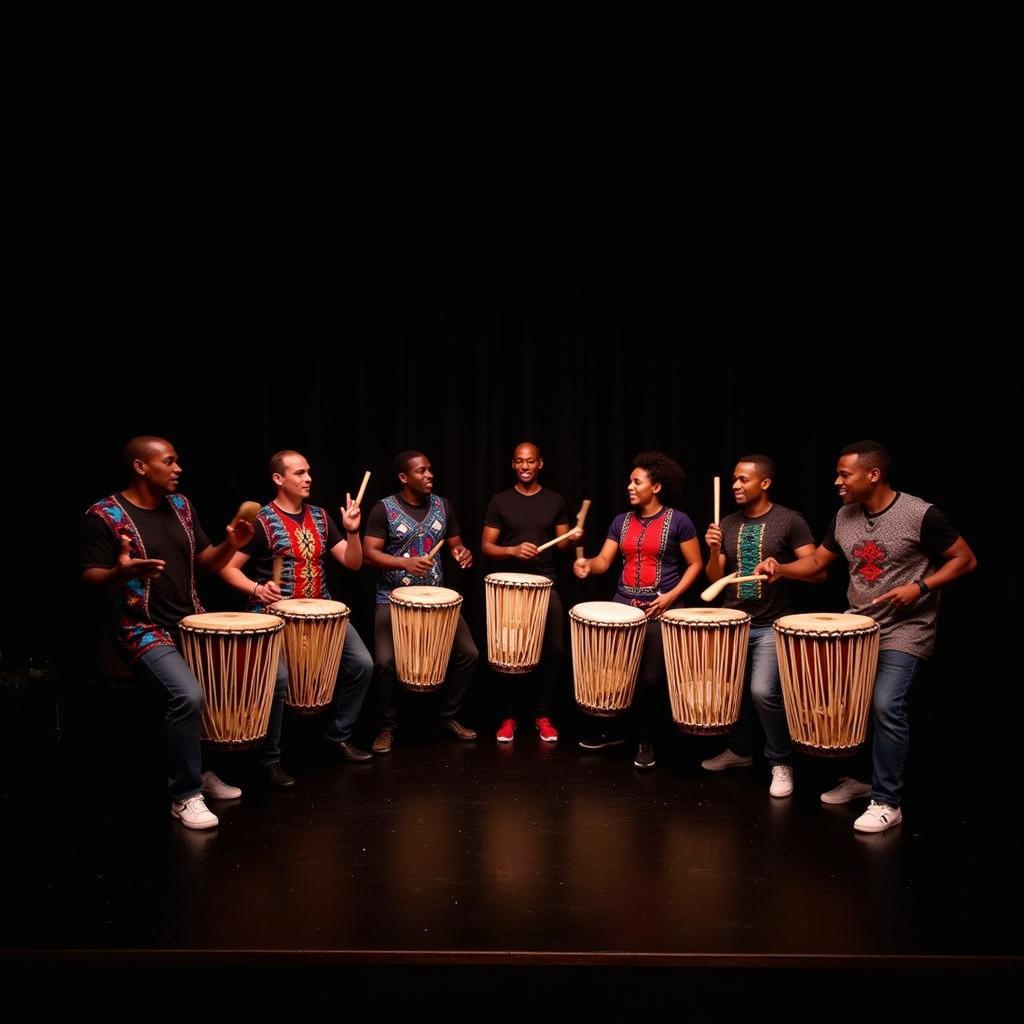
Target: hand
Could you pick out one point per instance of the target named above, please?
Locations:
(268, 593)
(464, 556)
(524, 551)
(658, 606)
(239, 533)
(420, 566)
(351, 515)
(769, 567)
(900, 597)
(575, 533)
(713, 538)
(581, 567)
(144, 568)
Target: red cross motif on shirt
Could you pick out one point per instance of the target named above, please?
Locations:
(870, 555)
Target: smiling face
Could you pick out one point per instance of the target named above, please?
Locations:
(640, 489)
(293, 484)
(527, 463)
(748, 485)
(855, 481)
(418, 478)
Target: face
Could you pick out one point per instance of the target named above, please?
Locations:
(527, 463)
(160, 468)
(295, 482)
(747, 483)
(855, 481)
(640, 488)
(419, 476)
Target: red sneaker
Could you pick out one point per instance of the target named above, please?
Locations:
(548, 733)
(507, 730)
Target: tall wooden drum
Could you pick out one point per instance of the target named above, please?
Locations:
(423, 624)
(607, 642)
(517, 610)
(314, 635)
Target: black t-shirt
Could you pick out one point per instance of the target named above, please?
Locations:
(377, 523)
(259, 550)
(163, 536)
(522, 519)
(937, 533)
(746, 541)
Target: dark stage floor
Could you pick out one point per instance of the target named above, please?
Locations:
(478, 853)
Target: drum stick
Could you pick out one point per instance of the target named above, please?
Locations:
(362, 487)
(580, 519)
(435, 550)
(718, 499)
(734, 577)
(278, 566)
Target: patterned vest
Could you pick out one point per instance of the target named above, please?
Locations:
(409, 539)
(135, 633)
(301, 546)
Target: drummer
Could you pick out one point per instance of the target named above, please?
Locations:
(760, 528)
(661, 561)
(142, 545)
(516, 523)
(302, 536)
(401, 531)
(899, 551)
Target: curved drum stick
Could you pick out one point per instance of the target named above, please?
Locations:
(726, 581)
(581, 517)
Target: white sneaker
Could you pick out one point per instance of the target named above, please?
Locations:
(726, 759)
(847, 790)
(782, 780)
(878, 817)
(218, 789)
(193, 812)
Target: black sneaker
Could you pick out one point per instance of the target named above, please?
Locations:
(644, 756)
(601, 741)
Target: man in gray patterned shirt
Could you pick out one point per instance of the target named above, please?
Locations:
(900, 550)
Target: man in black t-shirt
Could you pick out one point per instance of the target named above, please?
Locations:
(516, 523)
(760, 529)
(143, 545)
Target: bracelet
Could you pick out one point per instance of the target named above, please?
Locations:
(255, 587)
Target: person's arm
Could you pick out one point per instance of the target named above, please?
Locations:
(124, 568)
(349, 552)
(499, 552)
(374, 554)
(716, 557)
(583, 567)
(238, 534)
(958, 561)
(807, 568)
(459, 551)
(694, 567)
(265, 593)
(802, 552)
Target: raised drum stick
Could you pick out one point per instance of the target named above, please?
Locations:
(580, 519)
(362, 487)
(718, 499)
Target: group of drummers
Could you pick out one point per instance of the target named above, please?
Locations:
(811, 681)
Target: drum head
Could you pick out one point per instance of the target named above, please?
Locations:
(826, 622)
(705, 616)
(308, 606)
(517, 579)
(231, 622)
(607, 613)
(425, 597)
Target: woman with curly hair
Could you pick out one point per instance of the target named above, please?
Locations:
(661, 561)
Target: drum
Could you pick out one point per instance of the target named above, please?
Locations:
(517, 610)
(234, 656)
(423, 624)
(705, 659)
(314, 635)
(827, 663)
(607, 641)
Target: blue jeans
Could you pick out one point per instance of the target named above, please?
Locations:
(166, 667)
(896, 672)
(354, 675)
(762, 690)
